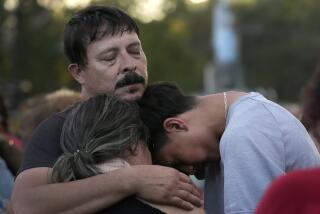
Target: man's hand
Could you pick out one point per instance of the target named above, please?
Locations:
(165, 185)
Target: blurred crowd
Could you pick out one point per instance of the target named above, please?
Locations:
(12, 143)
(36, 109)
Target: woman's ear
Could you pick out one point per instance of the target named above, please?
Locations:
(173, 124)
(76, 72)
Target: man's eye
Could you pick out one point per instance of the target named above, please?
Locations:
(108, 58)
(134, 49)
(135, 52)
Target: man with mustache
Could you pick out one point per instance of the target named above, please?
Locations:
(254, 139)
(130, 78)
(106, 56)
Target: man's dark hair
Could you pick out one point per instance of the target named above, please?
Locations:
(97, 130)
(92, 24)
(159, 102)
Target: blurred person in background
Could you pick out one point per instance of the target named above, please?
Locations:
(6, 182)
(10, 158)
(294, 193)
(101, 135)
(5, 127)
(10, 146)
(10, 154)
(39, 108)
(311, 107)
(106, 56)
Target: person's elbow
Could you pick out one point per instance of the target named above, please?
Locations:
(20, 203)
(27, 191)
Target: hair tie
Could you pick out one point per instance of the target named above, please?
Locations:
(76, 152)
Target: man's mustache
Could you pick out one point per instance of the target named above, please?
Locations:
(129, 79)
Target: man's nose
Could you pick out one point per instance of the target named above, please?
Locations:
(127, 64)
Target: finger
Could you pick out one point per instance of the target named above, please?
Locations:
(178, 202)
(187, 197)
(191, 188)
(187, 180)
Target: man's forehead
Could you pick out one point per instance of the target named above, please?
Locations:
(126, 35)
(114, 41)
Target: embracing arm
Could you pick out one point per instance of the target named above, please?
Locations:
(33, 194)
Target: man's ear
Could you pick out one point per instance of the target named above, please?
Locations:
(76, 72)
(173, 124)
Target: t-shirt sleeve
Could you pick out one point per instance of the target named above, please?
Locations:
(44, 147)
(250, 162)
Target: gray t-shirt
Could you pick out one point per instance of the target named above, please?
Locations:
(261, 141)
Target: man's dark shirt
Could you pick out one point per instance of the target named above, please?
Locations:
(43, 149)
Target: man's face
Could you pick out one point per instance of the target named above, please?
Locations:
(115, 64)
(188, 150)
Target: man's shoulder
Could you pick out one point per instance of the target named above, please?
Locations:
(44, 147)
(55, 119)
(64, 113)
(52, 126)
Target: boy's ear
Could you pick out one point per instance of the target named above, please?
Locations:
(174, 124)
(76, 72)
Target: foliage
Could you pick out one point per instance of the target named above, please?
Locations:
(280, 44)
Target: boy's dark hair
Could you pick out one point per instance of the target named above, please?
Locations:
(159, 102)
(99, 129)
(92, 24)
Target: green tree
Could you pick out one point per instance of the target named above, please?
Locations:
(280, 44)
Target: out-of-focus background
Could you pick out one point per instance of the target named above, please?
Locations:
(274, 44)
(206, 46)
(270, 46)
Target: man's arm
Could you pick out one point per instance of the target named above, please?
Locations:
(33, 194)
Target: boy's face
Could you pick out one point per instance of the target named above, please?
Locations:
(188, 150)
(115, 64)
